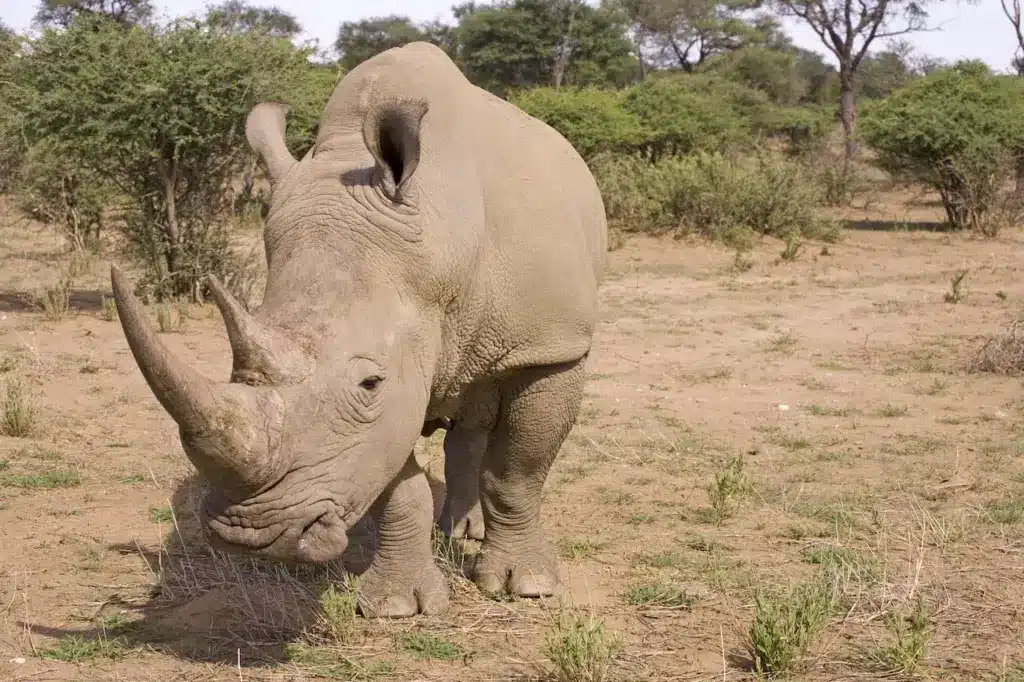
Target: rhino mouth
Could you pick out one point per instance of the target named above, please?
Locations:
(319, 535)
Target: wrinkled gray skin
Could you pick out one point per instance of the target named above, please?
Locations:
(435, 256)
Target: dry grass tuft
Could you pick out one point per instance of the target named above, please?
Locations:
(580, 648)
(255, 599)
(1003, 353)
(20, 415)
(55, 302)
(910, 632)
(169, 318)
(109, 311)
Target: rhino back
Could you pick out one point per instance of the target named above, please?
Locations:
(514, 207)
(546, 234)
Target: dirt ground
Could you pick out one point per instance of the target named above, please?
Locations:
(840, 379)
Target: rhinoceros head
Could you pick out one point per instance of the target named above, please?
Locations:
(332, 374)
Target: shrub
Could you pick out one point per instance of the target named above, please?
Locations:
(51, 187)
(19, 417)
(787, 77)
(166, 127)
(682, 115)
(733, 200)
(958, 131)
(1002, 353)
(592, 120)
(803, 129)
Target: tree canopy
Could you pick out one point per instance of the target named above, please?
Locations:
(62, 13)
(158, 113)
(235, 16)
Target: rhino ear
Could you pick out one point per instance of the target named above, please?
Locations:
(264, 129)
(391, 131)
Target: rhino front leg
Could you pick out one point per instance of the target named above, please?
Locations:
(538, 409)
(462, 516)
(403, 579)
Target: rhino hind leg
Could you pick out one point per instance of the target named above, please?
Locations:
(462, 515)
(403, 579)
(539, 407)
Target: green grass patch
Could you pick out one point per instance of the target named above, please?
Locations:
(428, 646)
(659, 594)
(828, 411)
(578, 549)
(328, 662)
(890, 411)
(580, 648)
(161, 514)
(47, 480)
(77, 649)
(785, 625)
(910, 631)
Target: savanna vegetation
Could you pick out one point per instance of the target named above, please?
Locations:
(862, 519)
(698, 117)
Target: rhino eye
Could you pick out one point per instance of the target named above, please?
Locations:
(370, 383)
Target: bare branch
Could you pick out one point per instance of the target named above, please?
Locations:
(849, 28)
(1013, 13)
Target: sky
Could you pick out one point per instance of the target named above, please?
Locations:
(976, 31)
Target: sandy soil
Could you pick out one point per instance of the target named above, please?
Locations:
(840, 378)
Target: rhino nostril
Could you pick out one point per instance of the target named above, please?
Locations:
(317, 521)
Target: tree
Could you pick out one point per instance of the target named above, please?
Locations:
(159, 113)
(848, 28)
(1012, 10)
(527, 43)
(685, 33)
(593, 120)
(359, 40)
(789, 76)
(236, 16)
(62, 13)
(883, 73)
(958, 131)
(12, 147)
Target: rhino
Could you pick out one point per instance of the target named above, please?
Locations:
(433, 261)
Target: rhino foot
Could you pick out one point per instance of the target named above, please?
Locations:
(468, 525)
(530, 573)
(462, 516)
(381, 595)
(538, 408)
(403, 579)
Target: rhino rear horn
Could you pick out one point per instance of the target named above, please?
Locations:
(261, 354)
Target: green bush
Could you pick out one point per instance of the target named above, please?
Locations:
(959, 131)
(709, 194)
(166, 126)
(52, 188)
(682, 115)
(804, 129)
(591, 119)
(674, 115)
(788, 77)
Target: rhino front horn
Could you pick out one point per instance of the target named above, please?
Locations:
(228, 431)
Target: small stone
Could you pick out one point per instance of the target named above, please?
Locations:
(18, 661)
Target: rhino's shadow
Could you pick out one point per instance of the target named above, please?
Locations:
(215, 607)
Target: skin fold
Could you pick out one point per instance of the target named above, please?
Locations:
(433, 262)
